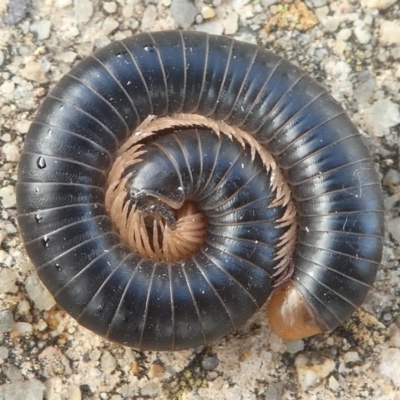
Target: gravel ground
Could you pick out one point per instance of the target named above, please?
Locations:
(350, 46)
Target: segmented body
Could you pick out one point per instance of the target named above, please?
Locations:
(71, 146)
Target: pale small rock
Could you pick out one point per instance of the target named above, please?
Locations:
(6, 321)
(68, 56)
(41, 29)
(24, 307)
(334, 385)
(344, 34)
(54, 362)
(150, 389)
(63, 3)
(83, 10)
(95, 355)
(149, 17)
(390, 365)
(383, 115)
(110, 7)
(34, 72)
(207, 12)
(3, 352)
(23, 327)
(390, 32)
(38, 293)
(183, 12)
(379, 4)
(247, 37)
(1, 57)
(231, 23)
(211, 27)
(362, 34)
(364, 92)
(7, 281)
(238, 4)
(31, 389)
(108, 362)
(7, 87)
(11, 152)
(22, 126)
(351, 356)
(127, 11)
(3, 235)
(74, 393)
(295, 346)
(7, 195)
(3, 256)
(393, 227)
(330, 23)
(109, 26)
(309, 375)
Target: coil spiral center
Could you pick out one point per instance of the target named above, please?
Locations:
(161, 231)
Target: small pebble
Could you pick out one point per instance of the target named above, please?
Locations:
(108, 362)
(23, 327)
(183, 12)
(83, 10)
(8, 279)
(7, 196)
(393, 227)
(207, 12)
(330, 23)
(383, 115)
(16, 12)
(68, 56)
(211, 27)
(127, 11)
(344, 34)
(351, 356)
(109, 26)
(380, 4)
(210, 363)
(156, 369)
(364, 92)
(31, 389)
(95, 355)
(63, 3)
(295, 347)
(390, 365)
(390, 32)
(362, 34)
(41, 29)
(334, 385)
(3, 352)
(6, 321)
(38, 293)
(74, 393)
(150, 389)
(110, 7)
(149, 17)
(11, 152)
(231, 23)
(34, 72)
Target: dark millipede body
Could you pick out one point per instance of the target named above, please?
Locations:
(163, 304)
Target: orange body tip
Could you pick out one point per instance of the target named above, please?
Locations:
(289, 316)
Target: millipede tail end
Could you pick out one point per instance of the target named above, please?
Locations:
(289, 315)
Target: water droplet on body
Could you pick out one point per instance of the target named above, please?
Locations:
(41, 162)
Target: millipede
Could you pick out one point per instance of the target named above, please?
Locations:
(173, 182)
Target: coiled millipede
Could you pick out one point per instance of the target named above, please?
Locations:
(173, 180)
